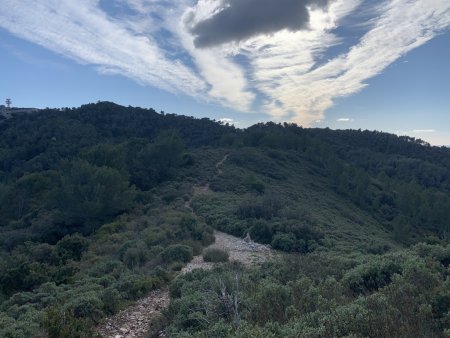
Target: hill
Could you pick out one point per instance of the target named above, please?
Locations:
(99, 206)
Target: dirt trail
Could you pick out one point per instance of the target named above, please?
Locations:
(133, 322)
(204, 189)
(196, 190)
(219, 164)
(247, 253)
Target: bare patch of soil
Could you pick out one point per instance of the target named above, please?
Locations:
(239, 250)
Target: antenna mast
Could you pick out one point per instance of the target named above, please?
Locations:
(8, 103)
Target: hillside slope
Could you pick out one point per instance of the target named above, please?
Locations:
(102, 204)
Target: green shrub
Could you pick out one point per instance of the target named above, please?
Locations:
(135, 257)
(24, 323)
(157, 324)
(177, 266)
(207, 238)
(111, 299)
(371, 276)
(284, 242)
(133, 287)
(87, 306)
(105, 267)
(59, 323)
(261, 231)
(252, 183)
(271, 301)
(177, 253)
(215, 255)
(195, 245)
(72, 247)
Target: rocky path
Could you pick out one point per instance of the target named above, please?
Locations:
(133, 322)
(239, 250)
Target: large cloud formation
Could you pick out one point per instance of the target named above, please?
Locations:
(241, 19)
(282, 65)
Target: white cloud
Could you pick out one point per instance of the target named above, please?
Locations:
(283, 68)
(423, 131)
(227, 120)
(416, 131)
(345, 119)
(81, 31)
(284, 64)
(227, 80)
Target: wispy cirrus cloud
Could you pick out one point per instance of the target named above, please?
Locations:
(272, 61)
(287, 68)
(82, 31)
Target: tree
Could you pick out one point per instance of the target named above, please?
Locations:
(156, 162)
(29, 193)
(107, 155)
(91, 194)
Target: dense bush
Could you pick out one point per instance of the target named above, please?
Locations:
(60, 323)
(215, 255)
(404, 295)
(177, 253)
(87, 278)
(372, 276)
(72, 247)
(95, 212)
(261, 231)
(267, 207)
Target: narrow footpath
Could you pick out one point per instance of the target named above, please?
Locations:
(133, 322)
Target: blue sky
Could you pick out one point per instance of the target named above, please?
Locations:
(338, 63)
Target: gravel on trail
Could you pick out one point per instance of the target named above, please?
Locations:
(133, 322)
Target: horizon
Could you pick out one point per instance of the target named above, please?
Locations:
(217, 121)
(336, 64)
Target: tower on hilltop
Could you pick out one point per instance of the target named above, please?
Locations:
(8, 102)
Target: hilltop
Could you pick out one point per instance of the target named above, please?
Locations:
(102, 204)
(6, 113)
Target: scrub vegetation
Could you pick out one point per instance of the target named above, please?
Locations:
(98, 207)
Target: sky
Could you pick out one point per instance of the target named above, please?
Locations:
(344, 64)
